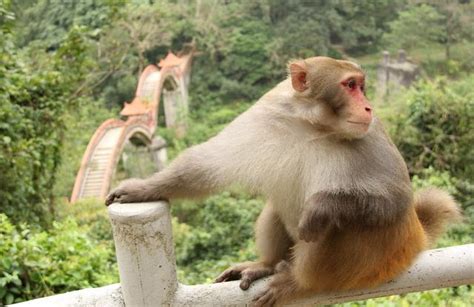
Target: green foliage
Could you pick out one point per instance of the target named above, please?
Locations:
(439, 22)
(436, 128)
(222, 223)
(91, 216)
(361, 35)
(213, 233)
(38, 263)
(34, 101)
(455, 297)
(415, 26)
(49, 21)
(429, 177)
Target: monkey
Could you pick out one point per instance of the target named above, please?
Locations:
(340, 213)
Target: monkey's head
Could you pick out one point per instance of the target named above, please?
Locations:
(331, 95)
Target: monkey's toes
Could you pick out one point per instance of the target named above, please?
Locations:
(265, 298)
(227, 275)
(247, 272)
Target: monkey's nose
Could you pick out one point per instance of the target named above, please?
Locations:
(369, 110)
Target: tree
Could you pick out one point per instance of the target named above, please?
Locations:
(34, 98)
(457, 23)
(415, 26)
(444, 23)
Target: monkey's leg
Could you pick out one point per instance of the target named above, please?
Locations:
(273, 245)
(192, 174)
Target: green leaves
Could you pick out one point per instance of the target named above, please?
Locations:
(34, 99)
(214, 233)
(418, 25)
(437, 127)
(37, 263)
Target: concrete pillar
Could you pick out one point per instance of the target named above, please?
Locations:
(176, 108)
(159, 153)
(402, 56)
(145, 253)
(386, 57)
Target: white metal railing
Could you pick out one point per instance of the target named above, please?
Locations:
(145, 255)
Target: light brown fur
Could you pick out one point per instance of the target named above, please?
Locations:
(296, 147)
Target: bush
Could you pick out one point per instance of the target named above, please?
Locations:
(39, 263)
(34, 98)
(213, 234)
(434, 128)
(437, 128)
(91, 216)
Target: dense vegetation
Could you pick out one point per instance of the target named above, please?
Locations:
(67, 66)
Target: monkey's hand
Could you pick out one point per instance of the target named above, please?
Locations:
(247, 272)
(132, 191)
(315, 222)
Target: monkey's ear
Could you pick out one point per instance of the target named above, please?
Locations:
(298, 75)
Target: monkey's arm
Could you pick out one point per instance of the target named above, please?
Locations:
(193, 174)
(326, 210)
(229, 157)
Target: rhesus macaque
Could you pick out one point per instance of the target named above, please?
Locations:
(341, 213)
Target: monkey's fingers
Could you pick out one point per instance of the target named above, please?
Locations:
(110, 199)
(117, 196)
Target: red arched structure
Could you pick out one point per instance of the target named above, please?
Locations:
(106, 145)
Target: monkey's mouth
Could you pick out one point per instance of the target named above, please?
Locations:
(358, 123)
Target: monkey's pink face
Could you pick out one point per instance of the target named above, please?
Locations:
(357, 118)
(336, 93)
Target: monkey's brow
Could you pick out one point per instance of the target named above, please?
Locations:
(356, 75)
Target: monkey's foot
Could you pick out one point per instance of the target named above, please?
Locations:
(129, 191)
(281, 289)
(247, 272)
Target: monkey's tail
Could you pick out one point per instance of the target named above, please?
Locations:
(436, 209)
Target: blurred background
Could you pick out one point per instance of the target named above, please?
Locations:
(66, 66)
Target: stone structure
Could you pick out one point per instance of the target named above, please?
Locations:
(175, 95)
(169, 79)
(393, 74)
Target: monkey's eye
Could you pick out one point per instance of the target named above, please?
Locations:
(351, 84)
